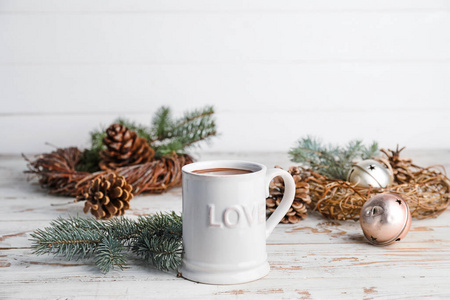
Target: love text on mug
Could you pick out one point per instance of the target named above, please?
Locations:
(240, 214)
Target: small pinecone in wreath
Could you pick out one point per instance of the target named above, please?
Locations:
(107, 196)
(124, 148)
(298, 210)
(400, 166)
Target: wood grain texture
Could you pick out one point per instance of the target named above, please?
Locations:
(314, 259)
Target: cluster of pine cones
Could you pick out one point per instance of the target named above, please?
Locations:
(109, 195)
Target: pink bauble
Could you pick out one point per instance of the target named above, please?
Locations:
(385, 219)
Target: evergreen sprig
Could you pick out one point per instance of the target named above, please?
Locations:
(162, 124)
(109, 253)
(165, 135)
(331, 160)
(91, 156)
(175, 135)
(156, 239)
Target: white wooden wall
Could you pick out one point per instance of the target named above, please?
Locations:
(274, 70)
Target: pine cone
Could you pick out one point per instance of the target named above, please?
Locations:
(124, 148)
(401, 166)
(107, 196)
(298, 209)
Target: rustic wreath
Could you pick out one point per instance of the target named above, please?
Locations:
(427, 191)
(148, 158)
(57, 173)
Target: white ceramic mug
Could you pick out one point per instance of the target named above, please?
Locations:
(224, 221)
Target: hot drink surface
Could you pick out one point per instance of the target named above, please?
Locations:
(222, 171)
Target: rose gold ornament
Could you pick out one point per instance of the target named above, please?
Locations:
(385, 219)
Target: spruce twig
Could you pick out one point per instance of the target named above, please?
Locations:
(331, 160)
(72, 243)
(91, 156)
(109, 254)
(164, 254)
(165, 135)
(156, 238)
(141, 130)
(162, 125)
(195, 126)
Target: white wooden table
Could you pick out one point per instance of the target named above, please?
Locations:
(314, 259)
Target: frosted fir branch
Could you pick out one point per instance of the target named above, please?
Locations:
(109, 254)
(164, 254)
(72, 243)
(191, 116)
(156, 238)
(91, 156)
(141, 130)
(330, 160)
(162, 224)
(194, 127)
(71, 223)
(162, 125)
(372, 151)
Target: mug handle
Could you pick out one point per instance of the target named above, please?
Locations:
(286, 202)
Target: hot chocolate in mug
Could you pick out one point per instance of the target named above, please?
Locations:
(224, 220)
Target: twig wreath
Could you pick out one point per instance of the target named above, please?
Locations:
(322, 186)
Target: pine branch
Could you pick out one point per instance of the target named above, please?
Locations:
(162, 125)
(352, 150)
(91, 157)
(141, 130)
(156, 238)
(160, 241)
(194, 115)
(162, 224)
(108, 255)
(89, 224)
(166, 136)
(72, 243)
(163, 253)
(193, 127)
(124, 230)
(331, 160)
(372, 151)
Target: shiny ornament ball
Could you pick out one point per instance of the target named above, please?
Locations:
(385, 219)
(369, 172)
